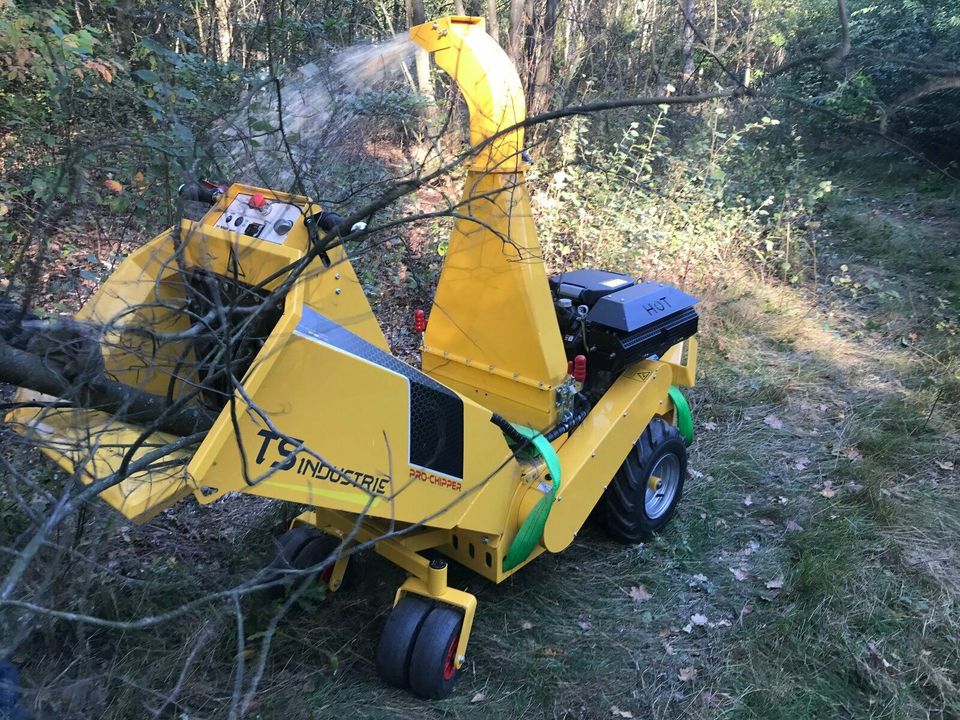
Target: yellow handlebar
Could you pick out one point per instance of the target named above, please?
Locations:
(488, 81)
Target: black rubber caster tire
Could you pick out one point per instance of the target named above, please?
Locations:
(626, 512)
(433, 671)
(299, 549)
(398, 640)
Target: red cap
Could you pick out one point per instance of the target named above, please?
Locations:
(257, 201)
(419, 321)
(569, 367)
(580, 368)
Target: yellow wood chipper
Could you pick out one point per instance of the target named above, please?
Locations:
(538, 397)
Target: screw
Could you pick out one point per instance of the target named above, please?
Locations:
(337, 276)
(461, 659)
(337, 291)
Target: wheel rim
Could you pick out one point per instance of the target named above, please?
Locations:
(662, 486)
(450, 664)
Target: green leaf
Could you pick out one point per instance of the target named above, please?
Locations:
(147, 76)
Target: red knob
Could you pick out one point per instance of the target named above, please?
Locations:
(580, 368)
(419, 321)
(257, 201)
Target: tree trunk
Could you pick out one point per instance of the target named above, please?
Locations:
(458, 7)
(493, 22)
(541, 90)
(515, 31)
(415, 16)
(687, 36)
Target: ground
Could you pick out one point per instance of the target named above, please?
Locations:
(811, 571)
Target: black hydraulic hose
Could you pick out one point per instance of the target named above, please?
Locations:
(578, 417)
(573, 422)
(509, 430)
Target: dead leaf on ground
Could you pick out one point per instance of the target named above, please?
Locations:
(765, 522)
(851, 454)
(748, 500)
(698, 619)
(801, 462)
(639, 593)
(551, 652)
(774, 422)
(617, 712)
(710, 426)
(944, 464)
(526, 625)
(828, 490)
(478, 697)
(793, 527)
(776, 583)
(113, 186)
(585, 624)
(739, 574)
(687, 674)
(668, 648)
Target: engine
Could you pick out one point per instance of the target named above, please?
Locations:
(615, 321)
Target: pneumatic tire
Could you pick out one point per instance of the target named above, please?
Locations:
(643, 495)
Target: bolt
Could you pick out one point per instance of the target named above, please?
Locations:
(438, 564)
(461, 659)
(337, 276)
(485, 540)
(337, 291)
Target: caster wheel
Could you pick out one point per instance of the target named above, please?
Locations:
(301, 548)
(433, 669)
(398, 638)
(644, 493)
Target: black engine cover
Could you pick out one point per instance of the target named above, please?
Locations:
(638, 322)
(624, 321)
(585, 287)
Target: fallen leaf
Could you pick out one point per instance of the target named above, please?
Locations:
(783, 500)
(669, 649)
(639, 593)
(801, 462)
(698, 578)
(748, 500)
(526, 625)
(851, 454)
(113, 186)
(710, 426)
(765, 522)
(551, 652)
(944, 464)
(751, 548)
(585, 624)
(479, 697)
(698, 619)
(828, 491)
(739, 574)
(774, 422)
(687, 674)
(617, 712)
(688, 628)
(793, 527)
(666, 632)
(776, 583)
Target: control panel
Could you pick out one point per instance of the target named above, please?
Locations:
(259, 217)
